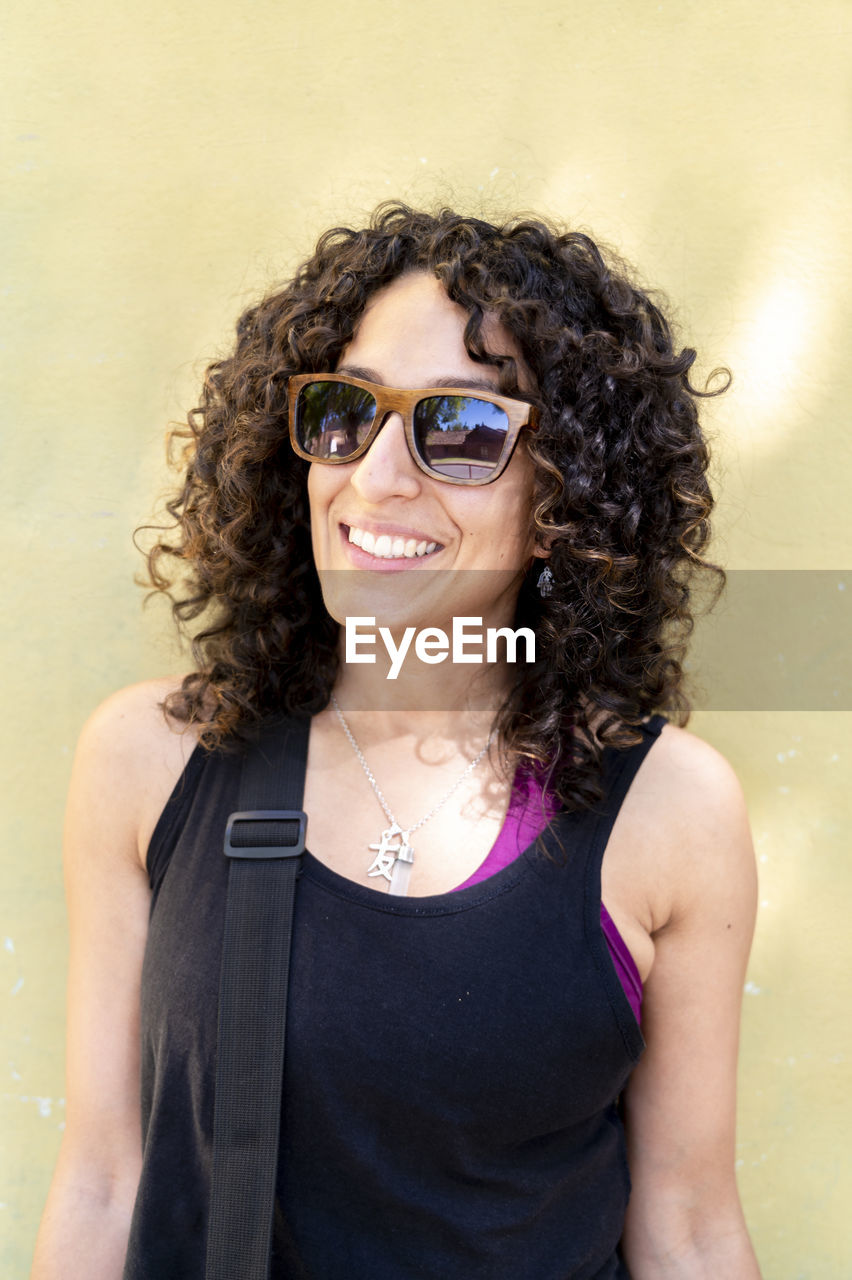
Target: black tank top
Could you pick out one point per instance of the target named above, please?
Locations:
(453, 1062)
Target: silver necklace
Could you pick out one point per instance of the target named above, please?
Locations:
(394, 854)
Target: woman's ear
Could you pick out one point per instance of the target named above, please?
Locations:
(539, 553)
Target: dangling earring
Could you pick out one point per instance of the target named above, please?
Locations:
(545, 581)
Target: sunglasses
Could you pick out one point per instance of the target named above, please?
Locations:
(452, 435)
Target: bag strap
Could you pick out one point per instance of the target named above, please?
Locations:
(264, 845)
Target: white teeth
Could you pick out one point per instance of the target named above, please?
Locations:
(386, 547)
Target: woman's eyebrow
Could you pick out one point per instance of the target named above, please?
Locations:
(469, 384)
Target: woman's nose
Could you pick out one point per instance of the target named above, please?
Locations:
(387, 469)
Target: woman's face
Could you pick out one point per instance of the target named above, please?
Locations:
(411, 335)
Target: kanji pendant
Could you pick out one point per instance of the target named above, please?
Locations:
(388, 852)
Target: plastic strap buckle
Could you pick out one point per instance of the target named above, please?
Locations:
(266, 850)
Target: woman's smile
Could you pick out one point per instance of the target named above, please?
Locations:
(387, 543)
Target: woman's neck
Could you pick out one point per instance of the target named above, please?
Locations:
(451, 701)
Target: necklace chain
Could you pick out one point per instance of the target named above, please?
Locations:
(382, 801)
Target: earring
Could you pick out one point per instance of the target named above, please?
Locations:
(545, 581)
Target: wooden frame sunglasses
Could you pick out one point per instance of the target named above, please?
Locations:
(454, 434)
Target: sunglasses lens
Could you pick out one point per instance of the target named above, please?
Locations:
(332, 418)
(461, 437)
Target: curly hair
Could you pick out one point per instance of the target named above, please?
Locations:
(621, 496)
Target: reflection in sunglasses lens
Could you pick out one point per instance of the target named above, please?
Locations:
(460, 436)
(332, 418)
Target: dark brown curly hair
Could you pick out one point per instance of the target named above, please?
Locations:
(621, 494)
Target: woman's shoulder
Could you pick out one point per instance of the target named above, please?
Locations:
(137, 708)
(696, 777)
(133, 752)
(684, 776)
(131, 728)
(692, 805)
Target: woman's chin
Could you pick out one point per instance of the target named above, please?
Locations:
(392, 600)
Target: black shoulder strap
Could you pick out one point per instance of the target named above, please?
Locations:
(264, 841)
(620, 767)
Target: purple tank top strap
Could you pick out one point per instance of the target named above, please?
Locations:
(625, 965)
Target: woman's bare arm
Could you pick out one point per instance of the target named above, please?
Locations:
(126, 762)
(684, 1220)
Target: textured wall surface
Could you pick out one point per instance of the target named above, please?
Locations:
(160, 173)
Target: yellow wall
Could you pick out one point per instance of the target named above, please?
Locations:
(165, 163)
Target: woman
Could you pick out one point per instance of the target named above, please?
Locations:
(463, 1022)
